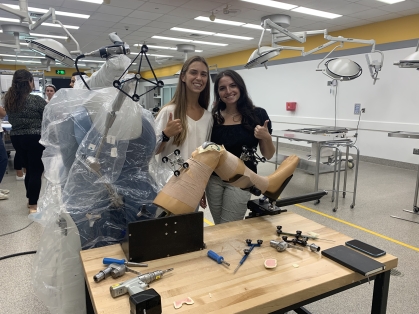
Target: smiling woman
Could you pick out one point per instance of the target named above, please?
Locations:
(237, 123)
(185, 123)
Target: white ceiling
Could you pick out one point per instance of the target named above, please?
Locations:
(136, 21)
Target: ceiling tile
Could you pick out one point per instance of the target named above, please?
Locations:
(348, 9)
(409, 12)
(156, 8)
(171, 2)
(34, 3)
(174, 19)
(144, 15)
(369, 14)
(102, 23)
(133, 21)
(386, 17)
(191, 14)
(163, 25)
(107, 9)
(372, 3)
(80, 5)
(106, 17)
(201, 5)
(127, 4)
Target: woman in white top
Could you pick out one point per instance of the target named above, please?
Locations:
(49, 91)
(185, 123)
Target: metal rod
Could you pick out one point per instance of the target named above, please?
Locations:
(416, 222)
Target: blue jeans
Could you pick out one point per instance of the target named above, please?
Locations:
(3, 158)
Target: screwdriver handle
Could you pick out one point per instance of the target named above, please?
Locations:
(108, 260)
(219, 259)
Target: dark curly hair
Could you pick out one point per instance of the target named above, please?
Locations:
(244, 105)
(15, 98)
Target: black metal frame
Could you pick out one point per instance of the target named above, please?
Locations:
(135, 97)
(379, 298)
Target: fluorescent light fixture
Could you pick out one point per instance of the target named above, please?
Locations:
(24, 44)
(25, 61)
(97, 61)
(206, 19)
(274, 4)
(163, 56)
(6, 19)
(189, 41)
(391, 1)
(48, 36)
(208, 43)
(156, 47)
(37, 10)
(13, 56)
(58, 25)
(174, 39)
(187, 30)
(255, 26)
(233, 36)
(92, 1)
(316, 12)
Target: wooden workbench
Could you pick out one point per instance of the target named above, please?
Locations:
(299, 276)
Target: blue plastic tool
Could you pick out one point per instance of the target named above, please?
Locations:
(219, 259)
(108, 260)
(247, 252)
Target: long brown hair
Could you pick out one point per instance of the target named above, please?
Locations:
(244, 105)
(15, 98)
(180, 101)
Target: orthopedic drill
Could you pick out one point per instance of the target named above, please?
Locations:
(140, 302)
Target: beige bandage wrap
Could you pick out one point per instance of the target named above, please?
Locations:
(182, 194)
(234, 171)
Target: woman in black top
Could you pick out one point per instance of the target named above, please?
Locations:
(237, 123)
(25, 115)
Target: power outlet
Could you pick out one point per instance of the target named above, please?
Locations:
(363, 110)
(357, 109)
(416, 151)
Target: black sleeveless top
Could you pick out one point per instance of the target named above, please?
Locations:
(233, 137)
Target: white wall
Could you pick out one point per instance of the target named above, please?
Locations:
(391, 104)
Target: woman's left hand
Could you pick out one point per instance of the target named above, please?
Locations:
(262, 132)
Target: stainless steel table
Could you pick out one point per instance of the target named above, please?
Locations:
(314, 139)
(412, 135)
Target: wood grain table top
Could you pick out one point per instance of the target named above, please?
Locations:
(300, 275)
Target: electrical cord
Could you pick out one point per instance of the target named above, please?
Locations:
(357, 127)
(77, 68)
(15, 230)
(17, 254)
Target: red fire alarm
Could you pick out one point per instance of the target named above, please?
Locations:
(291, 106)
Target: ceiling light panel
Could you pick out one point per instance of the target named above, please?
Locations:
(233, 36)
(37, 10)
(208, 43)
(48, 36)
(274, 4)
(324, 14)
(220, 21)
(189, 41)
(187, 30)
(25, 61)
(92, 1)
(391, 1)
(20, 56)
(255, 26)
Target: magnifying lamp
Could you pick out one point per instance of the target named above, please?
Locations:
(261, 56)
(411, 61)
(342, 69)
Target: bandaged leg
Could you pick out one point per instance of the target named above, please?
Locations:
(183, 193)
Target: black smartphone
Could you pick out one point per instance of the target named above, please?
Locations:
(365, 248)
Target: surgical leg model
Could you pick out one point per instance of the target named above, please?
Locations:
(183, 193)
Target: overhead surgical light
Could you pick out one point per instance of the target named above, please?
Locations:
(411, 61)
(342, 69)
(52, 49)
(276, 23)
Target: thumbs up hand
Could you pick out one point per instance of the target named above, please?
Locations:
(173, 126)
(262, 132)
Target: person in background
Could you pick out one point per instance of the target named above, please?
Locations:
(237, 123)
(185, 123)
(3, 158)
(73, 78)
(49, 91)
(25, 115)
